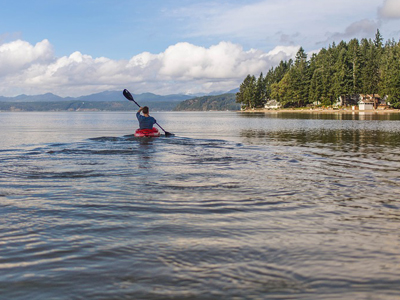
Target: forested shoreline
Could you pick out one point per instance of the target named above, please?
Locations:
(355, 67)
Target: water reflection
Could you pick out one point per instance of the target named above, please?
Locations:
(354, 138)
(394, 116)
(147, 151)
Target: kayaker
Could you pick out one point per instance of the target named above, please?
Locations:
(145, 120)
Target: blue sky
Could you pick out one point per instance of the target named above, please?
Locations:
(73, 48)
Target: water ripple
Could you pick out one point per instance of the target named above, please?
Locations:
(283, 215)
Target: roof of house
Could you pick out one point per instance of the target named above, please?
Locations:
(366, 101)
(369, 96)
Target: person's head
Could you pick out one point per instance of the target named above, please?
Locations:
(145, 110)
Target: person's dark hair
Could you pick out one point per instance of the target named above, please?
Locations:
(145, 110)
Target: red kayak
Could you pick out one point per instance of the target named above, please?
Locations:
(147, 132)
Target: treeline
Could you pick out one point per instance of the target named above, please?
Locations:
(357, 67)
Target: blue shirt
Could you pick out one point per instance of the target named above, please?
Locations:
(145, 122)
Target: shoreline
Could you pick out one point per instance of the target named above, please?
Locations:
(320, 110)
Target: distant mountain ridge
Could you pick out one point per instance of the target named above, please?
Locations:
(48, 97)
(109, 96)
(206, 103)
(115, 101)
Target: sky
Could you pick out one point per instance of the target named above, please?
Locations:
(75, 48)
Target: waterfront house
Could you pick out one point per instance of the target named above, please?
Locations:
(272, 104)
(365, 104)
(383, 104)
(362, 100)
(368, 98)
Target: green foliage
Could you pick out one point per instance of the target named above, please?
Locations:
(247, 91)
(390, 84)
(354, 67)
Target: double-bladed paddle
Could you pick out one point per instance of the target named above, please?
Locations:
(130, 98)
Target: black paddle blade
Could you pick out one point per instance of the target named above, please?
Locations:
(127, 95)
(169, 134)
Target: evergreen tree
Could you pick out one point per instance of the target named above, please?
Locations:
(260, 92)
(355, 60)
(268, 81)
(320, 78)
(378, 42)
(343, 75)
(283, 91)
(299, 78)
(370, 67)
(246, 92)
(316, 92)
(357, 67)
(391, 74)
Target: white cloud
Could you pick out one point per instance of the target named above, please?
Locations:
(359, 29)
(185, 61)
(282, 53)
(17, 55)
(296, 21)
(181, 68)
(390, 9)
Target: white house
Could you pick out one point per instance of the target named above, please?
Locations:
(272, 104)
(366, 100)
(365, 105)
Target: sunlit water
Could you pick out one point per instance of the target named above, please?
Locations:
(235, 206)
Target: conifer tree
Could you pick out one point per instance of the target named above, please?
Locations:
(391, 74)
(316, 87)
(246, 92)
(356, 67)
(260, 91)
(299, 78)
(343, 75)
(355, 60)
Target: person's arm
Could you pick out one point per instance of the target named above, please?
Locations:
(139, 111)
(138, 115)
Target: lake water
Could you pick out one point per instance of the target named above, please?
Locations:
(235, 206)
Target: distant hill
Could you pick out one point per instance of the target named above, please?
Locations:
(117, 96)
(103, 96)
(206, 103)
(234, 91)
(115, 101)
(84, 106)
(154, 98)
(27, 98)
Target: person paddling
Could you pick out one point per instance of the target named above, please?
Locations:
(145, 120)
(146, 123)
(129, 96)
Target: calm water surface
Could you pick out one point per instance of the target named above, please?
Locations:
(235, 206)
